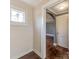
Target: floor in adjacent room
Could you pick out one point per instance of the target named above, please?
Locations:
(55, 52)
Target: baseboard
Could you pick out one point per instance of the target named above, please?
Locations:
(37, 52)
(22, 54)
(64, 48)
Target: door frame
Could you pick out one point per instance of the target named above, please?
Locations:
(43, 27)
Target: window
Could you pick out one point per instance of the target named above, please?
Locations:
(17, 16)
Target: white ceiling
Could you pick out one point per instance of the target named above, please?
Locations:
(56, 9)
(31, 2)
(35, 2)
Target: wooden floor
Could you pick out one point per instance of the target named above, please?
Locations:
(31, 55)
(55, 52)
(51, 51)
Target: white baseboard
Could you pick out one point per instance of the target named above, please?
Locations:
(22, 54)
(37, 52)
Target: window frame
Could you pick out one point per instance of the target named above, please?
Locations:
(18, 23)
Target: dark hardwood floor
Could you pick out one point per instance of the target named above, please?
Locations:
(52, 52)
(55, 52)
(31, 55)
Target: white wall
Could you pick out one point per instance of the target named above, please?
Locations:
(21, 35)
(37, 31)
(62, 30)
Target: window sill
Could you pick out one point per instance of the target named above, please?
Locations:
(17, 23)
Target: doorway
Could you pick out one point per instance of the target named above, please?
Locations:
(61, 42)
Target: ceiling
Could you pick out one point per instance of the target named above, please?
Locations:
(59, 8)
(32, 2)
(35, 2)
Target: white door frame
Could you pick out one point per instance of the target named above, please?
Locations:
(43, 27)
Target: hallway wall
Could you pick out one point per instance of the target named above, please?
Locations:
(38, 26)
(62, 30)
